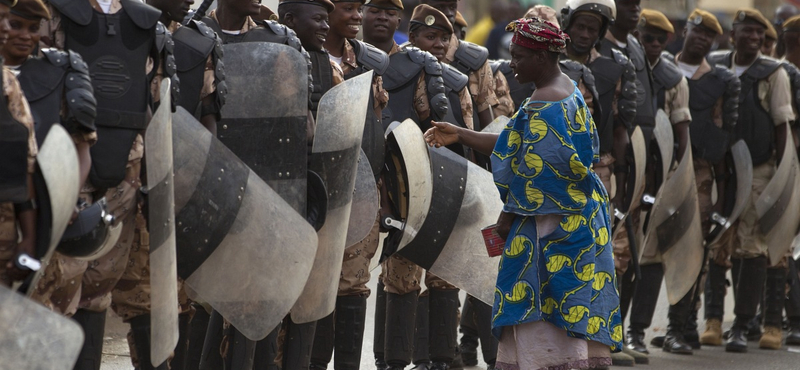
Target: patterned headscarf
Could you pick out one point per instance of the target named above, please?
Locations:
(537, 34)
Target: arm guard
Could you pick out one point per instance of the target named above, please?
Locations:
(80, 102)
(730, 99)
(626, 102)
(165, 47)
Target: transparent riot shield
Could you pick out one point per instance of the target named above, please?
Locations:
(365, 202)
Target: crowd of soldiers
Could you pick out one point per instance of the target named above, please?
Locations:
(236, 225)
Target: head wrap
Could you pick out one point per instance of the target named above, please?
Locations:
(538, 34)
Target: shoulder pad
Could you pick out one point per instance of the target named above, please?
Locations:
(143, 15)
(454, 79)
(403, 67)
(77, 63)
(55, 57)
(724, 73)
(720, 57)
(432, 66)
(667, 73)
(471, 55)
(668, 55)
(572, 69)
(370, 56)
(417, 55)
(201, 27)
(763, 67)
(636, 53)
(213, 25)
(494, 65)
(619, 57)
(79, 11)
(40, 77)
(193, 46)
(276, 27)
(161, 36)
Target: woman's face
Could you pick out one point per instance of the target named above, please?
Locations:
(345, 20)
(522, 63)
(22, 37)
(432, 40)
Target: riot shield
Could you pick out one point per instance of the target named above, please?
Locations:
(241, 248)
(639, 149)
(33, 337)
(337, 141)
(778, 207)
(365, 202)
(743, 165)
(662, 133)
(266, 127)
(161, 224)
(497, 125)
(674, 231)
(57, 183)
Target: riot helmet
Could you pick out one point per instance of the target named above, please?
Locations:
(606, 9)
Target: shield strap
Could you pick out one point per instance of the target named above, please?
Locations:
(680, 220)
(202, 224)
(775, 213)
(449, 182)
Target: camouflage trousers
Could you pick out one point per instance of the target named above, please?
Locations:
(401, 276)
(355, 264)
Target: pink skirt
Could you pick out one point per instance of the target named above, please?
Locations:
(541, 345)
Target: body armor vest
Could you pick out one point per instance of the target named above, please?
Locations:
(322, 77)
(755, 124)
(14, 161)
(116, 47)
(370, 58)
(645, 98)
(710, 142)
(608, 72)
(666, 75)
(454, 83)
(264, 33)
(400, 81)
(580, 73)
(194, 43)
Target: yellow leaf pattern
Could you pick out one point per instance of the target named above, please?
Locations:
(557, 262)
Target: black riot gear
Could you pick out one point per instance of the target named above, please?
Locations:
(710, 142)
(194, 44)
(608, 72)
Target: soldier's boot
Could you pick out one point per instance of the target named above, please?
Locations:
(322, 350)
(93, 325)
(211, 358)
(421, 356)
(792, 306)
(197, 335)
(468, 346)
(483, 319)
(714, 303)
(690, 333)
(298, 343)
(626, 286)
(266, 351)
(241, 351)
(674, 341)
(379, 337)
(752, 273)
(140, 328)
(443, 327)
(773, 308)
(622, 359)
(178, 361)
(645, 298)
(351, 314)
(401, 312)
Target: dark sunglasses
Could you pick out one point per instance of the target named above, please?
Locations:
(648, 38)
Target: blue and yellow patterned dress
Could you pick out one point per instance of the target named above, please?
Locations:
(542, 166)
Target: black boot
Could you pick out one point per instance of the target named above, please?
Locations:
(197, 335)
(241, 351)
(773, 308)
(468, 346)
(443, 327)
(690, 333)
(178, 361)
(140, 328)
(322, 350)
(626, 287)
(483, 319)
(93, 325)
(401, 312)
(645, 298)
(298, 343)
(752, 273)
(266, 351)
(674, 341)
(379, 338)
(421, 357)
(210, 358)
(792, 306)
(351, 313)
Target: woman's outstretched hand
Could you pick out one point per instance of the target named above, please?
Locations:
(441, 134)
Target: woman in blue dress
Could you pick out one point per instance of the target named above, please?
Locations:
(556, 304)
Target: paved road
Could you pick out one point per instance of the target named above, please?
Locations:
(116, 357)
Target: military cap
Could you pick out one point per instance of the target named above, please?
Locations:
(751, 14)
(771, 33)
(429, 16)
(792, 24)
(460, 21)
(654, 18)
(31, 9)
(706, 19)
(327, 4)
(386, 4)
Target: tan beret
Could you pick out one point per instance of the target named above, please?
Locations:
(31, 9)
(429, 16)
(385, 4)
(792, 24)
(460, 21)
(327, 4)
(708, 20)
(655, 19)
(543, 12)
(751, 14)
(771, 33)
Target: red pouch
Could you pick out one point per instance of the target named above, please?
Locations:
(494, 243)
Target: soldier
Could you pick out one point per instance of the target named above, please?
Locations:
(672, 95)
(17, 198)
(122, 114)
(782, 14)
(765, 107)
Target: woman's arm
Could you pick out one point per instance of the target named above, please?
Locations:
(443, 134)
